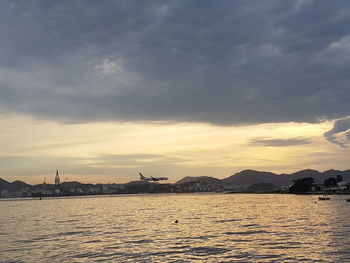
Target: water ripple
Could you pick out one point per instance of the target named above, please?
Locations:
(245, 233)
(210, 228)
(206, 251)
(226, 220)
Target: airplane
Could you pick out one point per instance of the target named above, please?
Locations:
(154, 179)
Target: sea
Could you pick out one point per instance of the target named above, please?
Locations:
(212, 227)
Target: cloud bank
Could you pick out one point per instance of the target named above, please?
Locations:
(221, 62)
(340, 133)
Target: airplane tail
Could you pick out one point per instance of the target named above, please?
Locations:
(141, 176)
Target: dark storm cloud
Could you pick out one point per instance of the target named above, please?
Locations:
(223, 62)
(262, 141)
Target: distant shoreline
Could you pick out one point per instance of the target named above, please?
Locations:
(172, 193)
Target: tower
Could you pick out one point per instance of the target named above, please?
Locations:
(57, 190)
(57, 179)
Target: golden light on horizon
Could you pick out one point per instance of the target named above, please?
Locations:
(108, 150)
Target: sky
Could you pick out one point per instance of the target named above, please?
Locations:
(103, 90)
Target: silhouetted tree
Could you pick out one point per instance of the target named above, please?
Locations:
(339, 178)
(331, 181)
(302, 185)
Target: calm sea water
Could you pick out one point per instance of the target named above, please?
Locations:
(142, 228)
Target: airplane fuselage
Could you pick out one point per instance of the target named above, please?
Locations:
(152, 179)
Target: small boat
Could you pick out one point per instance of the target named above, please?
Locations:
(324, 197)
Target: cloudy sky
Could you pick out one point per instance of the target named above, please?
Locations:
(103, 90)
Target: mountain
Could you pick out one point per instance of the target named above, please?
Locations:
(289, 178)
(18, 185)
(249, 177)
(205, 179)
(305, 173)
(14, 186)
(320, 177)
(332, 173)
(243, 178)
(3, 184)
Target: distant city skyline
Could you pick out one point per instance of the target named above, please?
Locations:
(103, 91)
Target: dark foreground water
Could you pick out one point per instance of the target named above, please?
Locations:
(141, 228)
